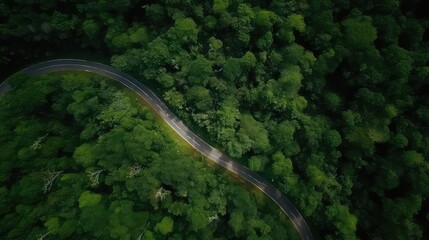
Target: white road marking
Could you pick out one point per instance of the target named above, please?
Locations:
(2, 83)
(103, 70)
(147, 95)
(175, 124)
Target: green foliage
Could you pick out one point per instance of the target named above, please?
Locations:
(399, 209)
(157, 53)
(155, 12)
(200, 96)
(411, 32)
(166, 80)
(123, 220)
(63, 24)
(175, 99)
(200, 71)
(282, 166)
(53, 225)
(91, 29)
(236, 222)
(94, 220)
(123, 174)
(88, 199)
(257, 163)
(413, 158)
(296, 21)
(140, 36)
(283, 137)
(387, 6)
(215, 44)
(265, 19)
(333, 138)
(332, 101)
(360, 138)
(220, 6)
(67, 229)
(265, 42)
(184, 31)
(399, 60)
(84, 155)
(165, 226)
(330, 96)
(232, 69)
(256, 133)
(248, 60)
(359, 32)
(343, 220)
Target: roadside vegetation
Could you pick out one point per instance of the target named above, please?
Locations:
(328, 99)
(83, 159)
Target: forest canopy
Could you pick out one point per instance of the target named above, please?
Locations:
(327, 99)
(84, 159)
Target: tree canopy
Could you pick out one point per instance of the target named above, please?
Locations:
(327, 99)
(111, 170)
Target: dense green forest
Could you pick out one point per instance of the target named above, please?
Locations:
(328, 99)
(83, 159)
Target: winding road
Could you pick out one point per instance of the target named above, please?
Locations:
(174, 122)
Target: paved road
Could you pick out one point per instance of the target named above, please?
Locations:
(4, 87)
(199, 144)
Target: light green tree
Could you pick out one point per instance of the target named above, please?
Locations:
(165, 226)
(88, 199)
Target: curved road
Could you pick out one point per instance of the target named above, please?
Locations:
(174, 122)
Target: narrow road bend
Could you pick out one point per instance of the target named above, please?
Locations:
(174, 122)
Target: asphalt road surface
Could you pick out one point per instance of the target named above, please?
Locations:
(174, 122)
